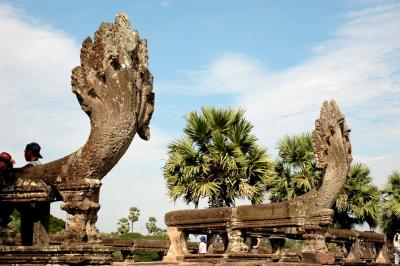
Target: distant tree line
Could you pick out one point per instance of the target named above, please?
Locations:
(126, 223)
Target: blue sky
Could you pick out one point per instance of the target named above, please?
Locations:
(277, 59)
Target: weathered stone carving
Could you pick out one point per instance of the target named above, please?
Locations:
(114, 87)
(94, 255)
(332, 150)
(303, 217)
(178, 246)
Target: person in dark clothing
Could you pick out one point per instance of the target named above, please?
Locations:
(32, 154)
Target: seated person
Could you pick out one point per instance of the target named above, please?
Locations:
(202, 245)
(32, 154)
(6, 161)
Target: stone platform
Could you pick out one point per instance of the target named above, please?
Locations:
(60, 255)
(242, 263)
(246, 260)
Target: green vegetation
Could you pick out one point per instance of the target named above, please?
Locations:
(123, 226)
(390, 211)
(146, 256)
(133, 216)
(218, 159)
(293, 244)
(134, 235)
(138, 256)
(296, 171)
(153, 229)
(134, 213)
(57, 225)
(296, 174)
(15, 222)
(151, 225)
(358, 201)
(117, 256)
(123, 232)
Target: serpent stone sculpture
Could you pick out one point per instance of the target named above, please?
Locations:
(113, 86)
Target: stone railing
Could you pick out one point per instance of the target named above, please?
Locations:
(355, 246)
(360, 246)
(297, 219)
(128, 247)
(306, 217)
(351, 247)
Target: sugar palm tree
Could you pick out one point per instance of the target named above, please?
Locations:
(390, 211)
(296, 174)
(218, 158)
(133, 216)
(296, 171)
(359, 200)
(151, 225)
(123, 225)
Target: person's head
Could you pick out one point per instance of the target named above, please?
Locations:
(202, 238)
(32, 152)
(6, 162)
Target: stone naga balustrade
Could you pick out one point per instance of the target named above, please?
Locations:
(360, 246)
(113, 86)
(306, 216)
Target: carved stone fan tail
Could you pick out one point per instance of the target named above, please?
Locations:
(331, 144)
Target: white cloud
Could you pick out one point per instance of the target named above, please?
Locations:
(390, 163)
(359, 67)
(229, 73)
(165, 3)
(37, 105)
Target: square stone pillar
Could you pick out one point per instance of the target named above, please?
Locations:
(26, 211)
(41, 224)
(178, 247)
(35, 222)
(382, 254)
(277, 244)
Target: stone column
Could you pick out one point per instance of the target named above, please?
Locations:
(6, 210)
(41, 224)
(212, 239)
(314, 241)
(277, 244)
(315, 249)
(26, 210)
(355, 252)
(236, 236)
(82, 206)
(6, 235)
(382, 255)
(178, 247)
(35, 222)
(127, 255)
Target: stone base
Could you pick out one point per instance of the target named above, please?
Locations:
(318, 257)
(61, 255)
(241, 263)
(7, 237)
(241, 258)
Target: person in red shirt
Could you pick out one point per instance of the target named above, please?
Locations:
(6, 161)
